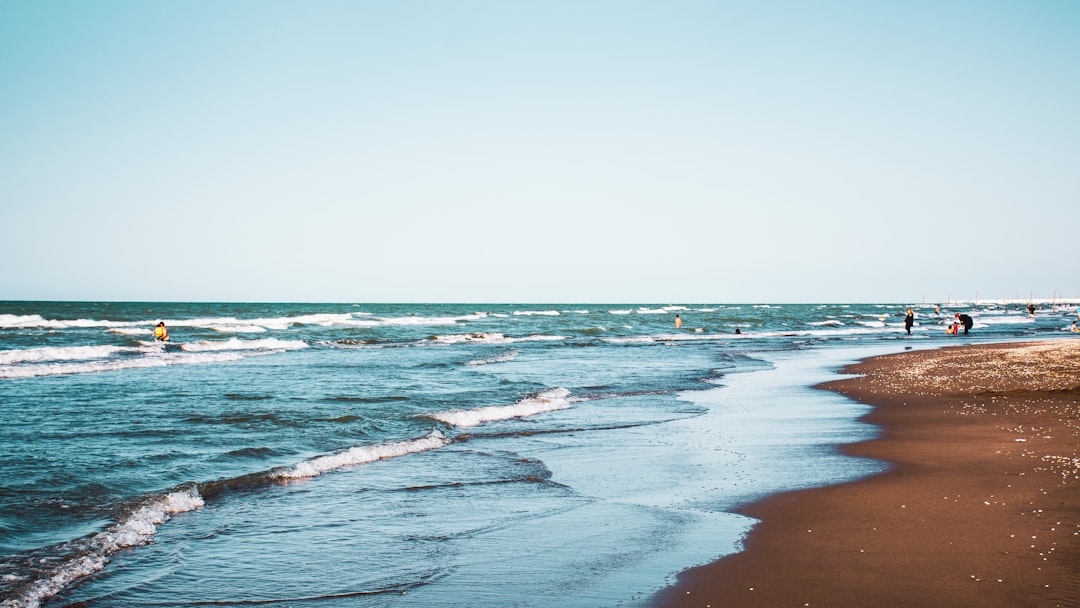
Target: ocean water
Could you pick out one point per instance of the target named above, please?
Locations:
(473, 455)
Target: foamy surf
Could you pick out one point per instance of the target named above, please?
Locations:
(361, 455)
(500, 358)
(547, 401)
(238, 344)
(55, 361)
(59, 353)
(86, 556)
(492, 338)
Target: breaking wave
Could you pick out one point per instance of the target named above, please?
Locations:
(546, 401)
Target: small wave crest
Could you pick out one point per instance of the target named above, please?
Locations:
(53, 361)
(86, 556)
(238, 344)
(59, 353)
(56, 369)
(536, 313)
(361, 455)
(546, 401)
(492, 338)
(500, 358)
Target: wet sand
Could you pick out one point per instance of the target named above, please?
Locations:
(980, 508)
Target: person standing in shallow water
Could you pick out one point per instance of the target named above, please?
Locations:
(161, 333)
(966, 321)
(909, 320)
(678, 322)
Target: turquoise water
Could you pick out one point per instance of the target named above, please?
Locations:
(422, 455)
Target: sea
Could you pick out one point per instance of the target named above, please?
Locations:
(476, 455)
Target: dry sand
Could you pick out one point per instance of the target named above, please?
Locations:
(981, 506)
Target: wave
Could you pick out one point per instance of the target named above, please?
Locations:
(86, 556)
(238, 329)
(60, 353)
(51, 569)
(58, 369)
(361, 455)
(492, 338)
(231, 324)
(55, 361)
(534, 313)
(500, 358)
(131, 331)
(547, 401)
(237, 344)
(826, 331)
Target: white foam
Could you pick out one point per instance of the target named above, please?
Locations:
(232, 324)
(547, 401)
(238, 344)
(534, 313)
(652, 311)
(59, 360)
(476, 337)
(57, 369)
(832, 322)
(1013, 319)
(92, 554)
(58, 353)
(361, 455)
(131, 331)
(239, 329)
(620, 312)
(427, 320)
(38, 322)
(504, 357)
(493, 338)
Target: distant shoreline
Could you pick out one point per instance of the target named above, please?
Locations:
(980, 508)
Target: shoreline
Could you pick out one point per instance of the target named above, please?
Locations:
(981, 505)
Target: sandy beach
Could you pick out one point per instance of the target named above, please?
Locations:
(980, 508)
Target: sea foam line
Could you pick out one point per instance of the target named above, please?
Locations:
(89, 555)
(37, 370)
(238, 344)
(547, 401)
(361, 455)
(493, 338)
(59, 353)
(500, 358)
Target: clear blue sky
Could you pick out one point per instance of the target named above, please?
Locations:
(539, 151)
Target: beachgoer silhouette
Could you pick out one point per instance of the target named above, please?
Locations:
(909, 320)
(966, 321)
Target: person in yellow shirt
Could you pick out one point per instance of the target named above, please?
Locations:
(161, 333)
